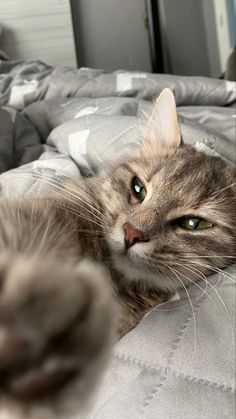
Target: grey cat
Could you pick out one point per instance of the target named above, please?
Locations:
(79, 270)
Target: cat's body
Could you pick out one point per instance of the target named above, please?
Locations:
(155, 223)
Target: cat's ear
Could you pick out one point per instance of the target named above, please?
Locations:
(163, 127)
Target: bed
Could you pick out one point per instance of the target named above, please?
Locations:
(59, 122)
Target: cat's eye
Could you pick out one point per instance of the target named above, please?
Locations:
(192, 223)
(138, 189)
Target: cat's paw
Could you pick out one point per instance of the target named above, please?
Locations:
(56, 324)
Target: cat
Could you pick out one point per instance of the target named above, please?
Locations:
(79, 269)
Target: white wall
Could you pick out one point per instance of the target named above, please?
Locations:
(39, 29)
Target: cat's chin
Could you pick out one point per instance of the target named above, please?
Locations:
(137, 271)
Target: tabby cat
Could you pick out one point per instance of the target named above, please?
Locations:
(103, 249)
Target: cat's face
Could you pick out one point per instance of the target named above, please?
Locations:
(170, 213)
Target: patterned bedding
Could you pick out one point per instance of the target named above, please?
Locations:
(61, 122)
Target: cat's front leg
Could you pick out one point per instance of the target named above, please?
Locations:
(56, 324)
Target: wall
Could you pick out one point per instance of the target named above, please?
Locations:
(38, 30)
(110, 34)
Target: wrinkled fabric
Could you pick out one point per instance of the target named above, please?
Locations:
(19, 140)
(179, 362)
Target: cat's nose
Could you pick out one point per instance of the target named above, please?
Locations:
(132, 235)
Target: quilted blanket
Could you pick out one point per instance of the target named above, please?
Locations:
(61, 122)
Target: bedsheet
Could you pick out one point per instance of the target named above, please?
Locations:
(60, 122)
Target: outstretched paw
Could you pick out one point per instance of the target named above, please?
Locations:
(56, 324)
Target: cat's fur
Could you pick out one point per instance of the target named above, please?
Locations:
(57, 306)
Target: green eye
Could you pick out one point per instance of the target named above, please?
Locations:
(139, 189)
(194, 223)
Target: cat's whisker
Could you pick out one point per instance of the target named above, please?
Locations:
(76, 191)
(170, 309)
(210, 256)
(94, 207)
(191, 305)
(195, 282)
(219, 297)
(189, 298)
(157, 269)
(60, 194)
(84, 205)
(68, 209)
(57, 184)
(209, 266)
(205, 278)
(225, 308)
(78, 214)
(223, 189)
(146, 115)
(198, 298)
(216, 270)
(179, 307)
(77, 195)
(200, 274)
(222, 200)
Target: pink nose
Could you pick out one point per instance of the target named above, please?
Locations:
(132, 235)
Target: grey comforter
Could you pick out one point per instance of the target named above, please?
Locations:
(60, 122)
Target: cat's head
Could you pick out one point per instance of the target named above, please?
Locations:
(170, 213)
